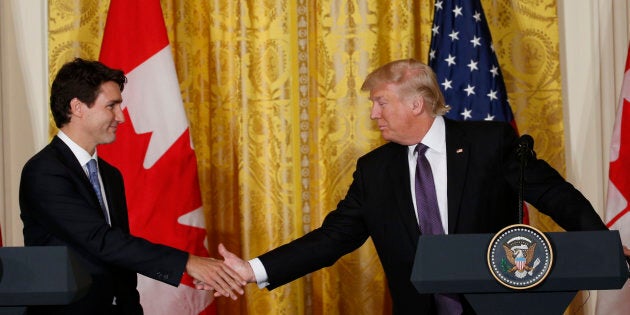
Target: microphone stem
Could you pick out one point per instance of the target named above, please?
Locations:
(524, 151)
(520, 191)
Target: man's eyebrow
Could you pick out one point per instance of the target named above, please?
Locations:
(376, 98)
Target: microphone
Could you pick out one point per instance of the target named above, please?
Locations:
(525, 148)
(524, 151)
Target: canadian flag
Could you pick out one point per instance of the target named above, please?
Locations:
(612, 302)
(153, 149)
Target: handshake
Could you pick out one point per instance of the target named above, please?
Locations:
(223, 277)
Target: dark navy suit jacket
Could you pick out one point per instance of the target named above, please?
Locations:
(482, 189)
(60, 208)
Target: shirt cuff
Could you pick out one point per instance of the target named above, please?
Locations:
(259, 272)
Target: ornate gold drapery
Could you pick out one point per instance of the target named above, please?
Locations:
(271, 89)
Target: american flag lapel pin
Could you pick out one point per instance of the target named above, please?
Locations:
(460, 150)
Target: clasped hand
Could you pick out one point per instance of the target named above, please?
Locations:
(214, 275)
(230, 275)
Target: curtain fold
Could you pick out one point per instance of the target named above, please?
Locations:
(271, 89)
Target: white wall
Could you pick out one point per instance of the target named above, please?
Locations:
(23, 101)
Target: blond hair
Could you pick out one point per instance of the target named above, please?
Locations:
(412, 78)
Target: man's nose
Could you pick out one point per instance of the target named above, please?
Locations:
(376, 112)
(120, 116)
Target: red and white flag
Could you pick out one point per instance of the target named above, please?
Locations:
(153, 149)
(612, 302)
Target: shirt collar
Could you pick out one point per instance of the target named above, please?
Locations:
(82, 156)
(435, 138)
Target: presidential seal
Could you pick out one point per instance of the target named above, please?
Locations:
(520, 256)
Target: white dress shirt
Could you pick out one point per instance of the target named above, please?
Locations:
(435, 139)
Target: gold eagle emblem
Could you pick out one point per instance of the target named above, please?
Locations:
(519, 257)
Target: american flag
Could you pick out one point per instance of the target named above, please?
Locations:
(465, 63)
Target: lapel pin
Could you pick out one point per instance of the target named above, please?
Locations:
(459, 150)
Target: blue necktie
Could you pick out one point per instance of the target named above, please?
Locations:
(93, 175)
(430, 222)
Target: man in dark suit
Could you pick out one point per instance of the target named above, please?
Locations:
(475, 173)
(60, 206)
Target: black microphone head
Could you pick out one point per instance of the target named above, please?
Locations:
(527, 141)
(525, 147)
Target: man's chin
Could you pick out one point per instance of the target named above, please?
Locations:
(386, 136)
(109, 139)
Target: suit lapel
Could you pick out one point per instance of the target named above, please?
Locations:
(399, 175)
(73, 165)
(457, 155)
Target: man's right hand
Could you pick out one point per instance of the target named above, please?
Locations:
(214, 275)
(242, 267)
(233, 262)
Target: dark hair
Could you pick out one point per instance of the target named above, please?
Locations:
(81, 79)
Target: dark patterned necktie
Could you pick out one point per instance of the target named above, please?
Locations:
(93, 175)
(426, 198)
(430, 222)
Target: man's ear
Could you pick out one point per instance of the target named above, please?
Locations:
(76, 107)
(418, 105)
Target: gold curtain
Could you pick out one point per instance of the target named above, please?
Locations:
(271, 89)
